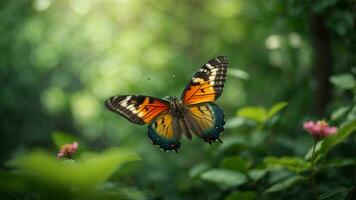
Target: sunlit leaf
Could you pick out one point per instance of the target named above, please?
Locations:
(198, 169)
(86, 173)
(256, 174)
(286, 183)
(294, 164)
(247, 195)
(341, 135)
(224, 178)
(276, 108)
(234, 122)
(309, 155)
(343, 81)
(257, 114)
(339, 112)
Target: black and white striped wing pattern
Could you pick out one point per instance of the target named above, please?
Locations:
(137, 108)
(208, 83)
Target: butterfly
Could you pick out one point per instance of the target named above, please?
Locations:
(194, 113)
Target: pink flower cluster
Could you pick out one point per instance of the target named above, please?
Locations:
(320, 129)
(67, 150)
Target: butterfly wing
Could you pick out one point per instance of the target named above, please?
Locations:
(208, 83)
(165, 131)
(205, 121)
(137, 108)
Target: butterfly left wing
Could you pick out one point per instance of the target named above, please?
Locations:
(205, 121)
(138, 109)
(208, 83)
(166, 132)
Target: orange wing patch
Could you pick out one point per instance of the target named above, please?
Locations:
(150, 108)
(136, 108)
(163, 132)
(164, 126)
(208, 83)
(199, 91)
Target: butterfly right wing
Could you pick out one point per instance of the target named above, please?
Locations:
(206, 121)
(208, 83)
(137, 108)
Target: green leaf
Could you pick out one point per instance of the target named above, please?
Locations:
(239, 74)
(293, 164)
(258, 114)
(309, 155)
(276, 108)
(339, 112)
(247, 195)
(340, 163)
(236, 163)
(320, 6)
(286, 183)
(235, 122)
(233, 144)
(198, 169)
(341, 135)
(90, 171)
(338, 193)
(224, 178)
(352, 114)
(256, 174)
(343, 81)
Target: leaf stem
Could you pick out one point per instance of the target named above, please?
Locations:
(312, 175)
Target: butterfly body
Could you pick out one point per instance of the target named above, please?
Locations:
(192, 114)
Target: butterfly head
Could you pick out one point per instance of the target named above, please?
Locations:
(172, 98)
(177, 108)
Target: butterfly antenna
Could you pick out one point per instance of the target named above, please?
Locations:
(220, 140)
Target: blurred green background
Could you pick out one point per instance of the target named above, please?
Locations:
(60, 60)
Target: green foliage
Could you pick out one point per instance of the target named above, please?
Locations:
(257, 114)
(344, 81)
(342, 134)
(294, 164)
(286, 183)
(224, 178)
(260, 114)
(249, 195)
(235, 163)
(338, 193)
(42, 172)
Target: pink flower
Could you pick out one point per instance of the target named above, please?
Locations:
(320, 129)
(67, 150)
